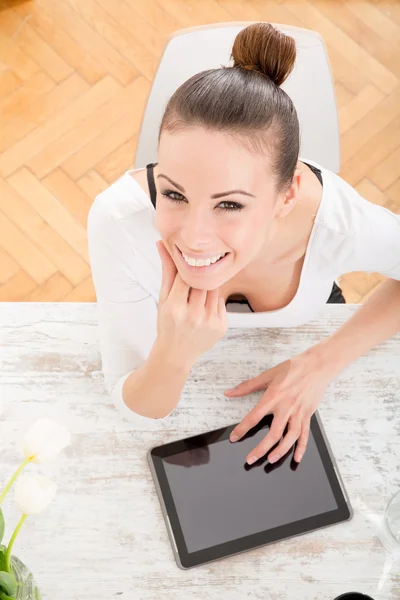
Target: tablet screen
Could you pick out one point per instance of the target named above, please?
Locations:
(219, 498)
(216, 505)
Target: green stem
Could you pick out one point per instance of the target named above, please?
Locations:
(11, 544)
(13, 478)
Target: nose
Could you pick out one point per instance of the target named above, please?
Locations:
(197, 231)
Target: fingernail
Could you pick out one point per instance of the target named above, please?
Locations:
(234, 438)
(300, 456)
(274, 458)
(251, 460)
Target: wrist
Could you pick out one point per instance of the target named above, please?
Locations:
(164, 354)
(326, 358)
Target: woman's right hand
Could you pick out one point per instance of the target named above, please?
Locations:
(190, 321)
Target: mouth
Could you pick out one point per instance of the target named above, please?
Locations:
(205, 266)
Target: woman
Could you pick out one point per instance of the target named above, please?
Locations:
(245, 226)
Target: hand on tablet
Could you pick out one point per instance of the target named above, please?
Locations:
(294, 389)
(190, 321)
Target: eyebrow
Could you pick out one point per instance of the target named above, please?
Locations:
(214, 196)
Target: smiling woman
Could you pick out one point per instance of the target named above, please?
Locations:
(248, 234)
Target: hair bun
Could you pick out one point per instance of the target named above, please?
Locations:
(261, 47)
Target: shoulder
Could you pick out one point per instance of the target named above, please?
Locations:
(121, 216)
(342, 210)
(345, 212)
(366, 236)
(351, 214)
(122, 235)
(121, 200)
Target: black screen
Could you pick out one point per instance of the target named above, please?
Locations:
(219, 498)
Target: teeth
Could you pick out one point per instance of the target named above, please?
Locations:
(201, 262)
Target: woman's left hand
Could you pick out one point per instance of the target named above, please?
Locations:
(294, 389)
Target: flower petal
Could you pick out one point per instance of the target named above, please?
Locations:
(45, 440)
(33, 493)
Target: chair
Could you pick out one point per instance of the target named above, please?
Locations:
(310, 85)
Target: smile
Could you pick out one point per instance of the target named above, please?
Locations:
(202, 263)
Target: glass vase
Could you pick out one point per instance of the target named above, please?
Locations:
(27, 588)
(392, 521)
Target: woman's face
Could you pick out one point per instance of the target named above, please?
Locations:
(220, 209)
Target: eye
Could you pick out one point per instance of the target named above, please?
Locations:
(171, 195)
(230, 206)
(225, 205)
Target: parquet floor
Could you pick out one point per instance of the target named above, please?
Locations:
(74, 77)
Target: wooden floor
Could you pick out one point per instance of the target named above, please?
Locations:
(74, 78)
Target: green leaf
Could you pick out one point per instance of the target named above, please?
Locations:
(8, 583)
(3, 552)
(4, 596)
(2, 526)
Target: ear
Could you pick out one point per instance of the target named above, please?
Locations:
(289, 197)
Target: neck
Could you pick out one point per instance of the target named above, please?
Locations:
(288, 239)
(290, 235)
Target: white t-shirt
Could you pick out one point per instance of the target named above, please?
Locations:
(349, 234)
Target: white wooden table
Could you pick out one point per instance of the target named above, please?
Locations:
(104, 536)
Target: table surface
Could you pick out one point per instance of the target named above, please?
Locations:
(104, 535)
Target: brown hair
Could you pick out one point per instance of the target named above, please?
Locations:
(245, 100)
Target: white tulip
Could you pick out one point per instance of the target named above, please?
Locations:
(33, 493)
(45, 440)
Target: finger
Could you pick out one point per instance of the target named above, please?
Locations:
(169, 271)
(197, 299)
(251, 420)
(302, 442)
(251, 385)
(179, 293)
(222, 311)
(212, 302)
(288, 441)
(270, 440)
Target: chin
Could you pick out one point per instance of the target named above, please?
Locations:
(199, 283)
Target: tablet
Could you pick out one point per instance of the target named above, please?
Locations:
(215, 505)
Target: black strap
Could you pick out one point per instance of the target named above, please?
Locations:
(152, 185)
(316, 172)
(336, 296)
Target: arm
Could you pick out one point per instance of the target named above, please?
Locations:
(154, 389)
(143, 378)
(374, 322)
(376, 249)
